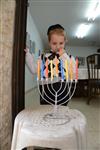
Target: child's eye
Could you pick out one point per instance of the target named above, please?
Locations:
(61, 43)
(54, 43)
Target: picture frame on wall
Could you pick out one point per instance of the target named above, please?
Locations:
(81, 61)
(32, 46)
(29, 43)
(27, 40)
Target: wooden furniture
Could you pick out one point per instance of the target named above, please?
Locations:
(81, 88)
(32, 129)
(93, 65)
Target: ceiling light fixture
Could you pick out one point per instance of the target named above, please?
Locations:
(94, 10)
(82, 30)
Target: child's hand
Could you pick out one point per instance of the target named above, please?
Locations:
(26, 50)
(61, 51)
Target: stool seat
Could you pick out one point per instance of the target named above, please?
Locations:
(31, 129)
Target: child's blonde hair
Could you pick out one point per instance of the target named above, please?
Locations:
(58, 32)
(56, 29)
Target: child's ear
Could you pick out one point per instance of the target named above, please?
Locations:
(66, 41)
(65, 45)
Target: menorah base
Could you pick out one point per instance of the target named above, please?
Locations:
(56, 118)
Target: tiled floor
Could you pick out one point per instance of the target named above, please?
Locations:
(91, 112)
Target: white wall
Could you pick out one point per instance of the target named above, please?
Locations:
(30, 81)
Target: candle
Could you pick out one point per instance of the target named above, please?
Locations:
(56, 66)
(46, 70)
(51, 63)
(71, 69)
(66, 68)
(62, 70)
(39, 53)
(38, 69)
(42, 69)
(76, 68)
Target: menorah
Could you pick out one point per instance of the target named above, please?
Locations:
(69, 76)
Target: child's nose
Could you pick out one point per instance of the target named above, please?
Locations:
(58, 46)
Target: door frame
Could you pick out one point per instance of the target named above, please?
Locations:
(18, 58)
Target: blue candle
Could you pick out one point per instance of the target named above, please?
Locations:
(42, 69)
(62, 70)
(39, 53)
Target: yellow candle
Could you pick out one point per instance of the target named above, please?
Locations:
(71, 69)
(38, 69)
(51, 63)
(66, 68)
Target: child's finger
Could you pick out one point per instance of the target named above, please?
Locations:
(61, 51)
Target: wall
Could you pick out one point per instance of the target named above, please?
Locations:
(81, 51)
(7, 9)
(30, 81)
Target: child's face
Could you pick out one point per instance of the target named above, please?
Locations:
(57, 42)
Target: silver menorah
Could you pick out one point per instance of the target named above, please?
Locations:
(69, 89)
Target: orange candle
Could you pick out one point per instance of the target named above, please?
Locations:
(38, 69)
(46, 71)
(76, 68)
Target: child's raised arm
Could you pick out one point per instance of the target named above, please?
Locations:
(30, 61)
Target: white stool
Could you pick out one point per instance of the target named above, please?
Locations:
(30, 129)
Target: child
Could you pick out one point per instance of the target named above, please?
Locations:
(57, 40)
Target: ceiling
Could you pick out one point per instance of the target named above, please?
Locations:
(68, 13)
